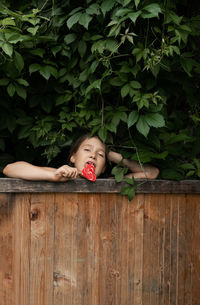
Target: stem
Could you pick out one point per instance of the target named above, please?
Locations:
(136, 150)
(102, 111)
(146, 38)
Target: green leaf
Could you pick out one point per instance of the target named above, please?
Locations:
(132, 118)
(187, 166)
(134, 16)
(172, 174)
(118, 172)
(122, 11)
(84, 20)
(142, 126)
(24, 132)
(73, 19)
(129, 191)
(95, 85)
(93, 9)
(39, 52)
(19, 62)
(25, 120)
(70, 38)
(13, 38)
(125, 90)
(7, 21)
(11, 89)
(21, 91)
(126, 2)
(151, 10)
(45, 71)
(135, 85)
(4, 81)
(107, 5)
(8, 49)
(187, 64)
(136, 3)
(46, 105)
(111, 45)
(102, 133)
(130, 181)
(154, 119)
(56, 49)
(23, 82)
(34, 68)
(33, 30)
(11, 123)
(82, 47)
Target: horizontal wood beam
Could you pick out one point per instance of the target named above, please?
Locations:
(9, 185)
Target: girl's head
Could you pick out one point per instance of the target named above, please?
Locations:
(86, 150)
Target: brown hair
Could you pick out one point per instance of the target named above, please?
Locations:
(78, 143)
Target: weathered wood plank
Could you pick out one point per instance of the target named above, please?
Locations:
(181, 253)
(66, 251)
(123, 246)
(136, 230)
(195, 252)
(101, 249)
(189, 231)
(6, 251)
(8, 185)
(108, 270)
(21, 249)
(42, 249)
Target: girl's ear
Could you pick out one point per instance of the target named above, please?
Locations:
(72, 159)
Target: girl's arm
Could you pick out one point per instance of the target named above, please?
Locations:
(146, 171)
(27, 171)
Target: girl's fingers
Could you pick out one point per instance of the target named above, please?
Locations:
(66, 171)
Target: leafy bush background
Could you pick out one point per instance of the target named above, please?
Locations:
(126, 70)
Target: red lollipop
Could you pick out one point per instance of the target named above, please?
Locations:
(89, 172)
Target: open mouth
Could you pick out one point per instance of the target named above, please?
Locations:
(90, 162)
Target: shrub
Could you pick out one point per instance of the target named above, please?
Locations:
(125, 70)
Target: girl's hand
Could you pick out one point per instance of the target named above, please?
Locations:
(65, 173)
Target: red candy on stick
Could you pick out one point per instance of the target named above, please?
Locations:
(89, 172)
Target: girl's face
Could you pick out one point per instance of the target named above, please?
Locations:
(93, 151)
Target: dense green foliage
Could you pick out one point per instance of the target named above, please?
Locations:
(126, 70)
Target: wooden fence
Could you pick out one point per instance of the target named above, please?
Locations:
(79, 243)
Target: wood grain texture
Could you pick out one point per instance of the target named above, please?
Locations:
(6, 251)
(21, 248)
(99, 249)
(41, 249)
(81, 185)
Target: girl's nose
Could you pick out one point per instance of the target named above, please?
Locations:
(93, 155)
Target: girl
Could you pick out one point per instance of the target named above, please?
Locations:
(87, 150)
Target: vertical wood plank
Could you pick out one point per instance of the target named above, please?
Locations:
(65, 262)
(153, 249)
(108, 268)
(123, 251)
(92, 205)
(21, 249)
(174, 246)
(42, 249)
(195, 250)
(189, 231)
(77, 265)
(103, 249)
(135, 232)
(182, 249)
(6, 251)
